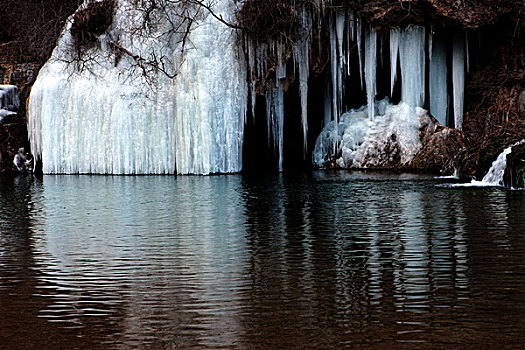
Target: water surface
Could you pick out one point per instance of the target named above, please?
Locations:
(320, 260)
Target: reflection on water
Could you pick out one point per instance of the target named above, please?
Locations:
(323, 260)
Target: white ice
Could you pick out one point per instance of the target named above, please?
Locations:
(394, 53)
(370, 69)
(110, 120)
(438, 81)
(458, 78)
(366, 142)
(412, 59)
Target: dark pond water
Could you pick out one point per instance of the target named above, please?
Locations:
(322, 260)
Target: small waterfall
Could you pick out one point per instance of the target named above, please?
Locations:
(494, 176)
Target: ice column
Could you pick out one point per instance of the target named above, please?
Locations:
(302, 57)
(359, 38)
(412, 57)
(458, 78)
(438, 81)
(370, 70)
(211, 98)
(275, 115)
(275, 105)
(394, 51)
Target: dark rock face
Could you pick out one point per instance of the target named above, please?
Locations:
(13, 133)
(13, 128)
(514, 175)
(441, 145)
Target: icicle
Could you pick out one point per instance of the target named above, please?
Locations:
(301, 55)
(252, 72)
(467, 51)
(350, 37)
(334, 59)
(261, 52)
(438, 81)
(430, 42)
(381, 50)
(394, 49)
(339, 26)
(275, 119)
(327, 102)
(280, 71)
(458, 78)
(370, 70)
(412, 56)
(359, 36)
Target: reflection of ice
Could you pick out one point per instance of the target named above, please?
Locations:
(413, 294)
(142, 251)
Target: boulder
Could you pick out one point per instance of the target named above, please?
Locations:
(514, 175)
(441, 145)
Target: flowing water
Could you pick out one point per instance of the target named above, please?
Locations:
(318, 260)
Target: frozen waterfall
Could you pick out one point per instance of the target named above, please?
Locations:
(108, 112)
(110, 118)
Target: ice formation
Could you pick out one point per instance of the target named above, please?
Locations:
(394, 53)
(389, 139)
(302, 56)
(438, 81)
(110, 119)
(458, 78)
(412, 58)
(9, 100)
(370, 70)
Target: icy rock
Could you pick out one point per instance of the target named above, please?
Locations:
(23, 161)
(390, 140)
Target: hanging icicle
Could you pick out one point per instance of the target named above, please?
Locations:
(370, 70)
(394, 50)
(302, 58)
(359, 53)
(438, 81)
(412, 57)
(458, 78)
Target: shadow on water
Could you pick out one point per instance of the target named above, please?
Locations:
(314, 260)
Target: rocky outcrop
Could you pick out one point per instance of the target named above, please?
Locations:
(514, 175)
(13, 127)
(13, 133)
(441, 145)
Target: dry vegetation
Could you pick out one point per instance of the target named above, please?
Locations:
(29, 29)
